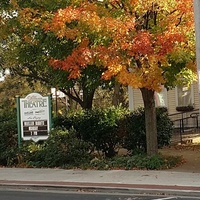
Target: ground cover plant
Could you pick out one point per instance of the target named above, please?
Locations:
(139, 161)
(75, 154)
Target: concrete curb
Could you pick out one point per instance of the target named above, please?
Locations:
(104, 187)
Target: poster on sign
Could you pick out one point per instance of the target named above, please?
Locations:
(35, 115)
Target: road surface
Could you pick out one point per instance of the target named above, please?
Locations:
(16, 194)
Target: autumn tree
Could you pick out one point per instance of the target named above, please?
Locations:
(142, 44)
(13, 86)
(27, 49)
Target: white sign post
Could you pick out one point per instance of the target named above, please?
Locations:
(34, 120)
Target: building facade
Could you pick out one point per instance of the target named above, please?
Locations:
(182, 104)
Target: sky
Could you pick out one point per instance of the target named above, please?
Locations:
(2, 76)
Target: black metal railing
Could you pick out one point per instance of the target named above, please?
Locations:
(186, 124)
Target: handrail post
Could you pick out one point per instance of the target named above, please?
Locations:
(181, 130)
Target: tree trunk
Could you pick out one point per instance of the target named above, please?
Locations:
(116, 95)
(87, 99)
(150, 121)
(74, 98)
(119, 97)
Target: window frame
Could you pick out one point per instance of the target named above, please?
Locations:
(192, 96)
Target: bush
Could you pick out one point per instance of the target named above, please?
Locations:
(135, 136)
(135, 139)
(61, 149)
(99, 127)
(110, 127)
(164, 127)
(8, 139)
(66, 122)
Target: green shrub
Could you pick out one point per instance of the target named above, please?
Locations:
(8, 139)
(66, 122)
(135, 136)
(135, 139)
(110, 127)
(99, 127)
(62, 148)
(164, 127)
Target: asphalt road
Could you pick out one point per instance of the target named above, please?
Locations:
(7, 194)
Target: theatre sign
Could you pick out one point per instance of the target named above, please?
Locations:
(34, 117)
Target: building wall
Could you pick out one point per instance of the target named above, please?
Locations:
(171, 99)
(196, 96)
(138, 102)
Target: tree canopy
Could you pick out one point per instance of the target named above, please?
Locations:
(27, 49)
(144, 44)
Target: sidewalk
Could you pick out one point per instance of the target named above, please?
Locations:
(120, 180)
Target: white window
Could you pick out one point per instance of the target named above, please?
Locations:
(161, 98)
(184, 96)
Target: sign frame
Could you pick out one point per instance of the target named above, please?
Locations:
(34, 117)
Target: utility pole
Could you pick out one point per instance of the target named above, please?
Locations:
(197, 33)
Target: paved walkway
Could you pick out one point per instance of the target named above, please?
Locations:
(136, 180)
